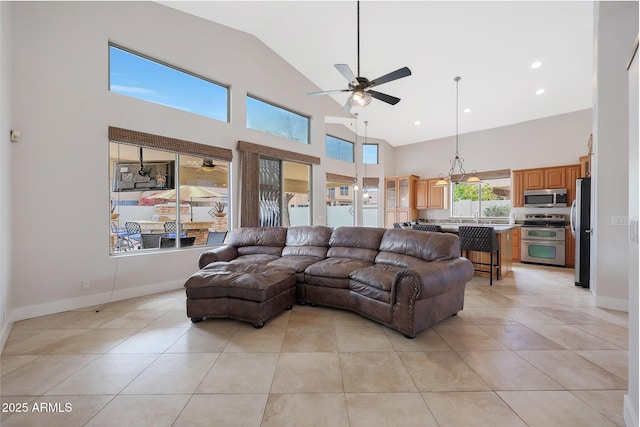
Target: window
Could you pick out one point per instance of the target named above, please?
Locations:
(165, 193)
(339, 149)
(284, 193)
(490, 199)
(143, 78)
(340, 200)
(370, 154)
(278, 121)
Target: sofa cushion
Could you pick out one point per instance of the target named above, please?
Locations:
(333, 272)
(379, 276)
(256, 240)
(298, 263)
(254, 259)
(305, 236)
(355, 242)
(397, 245)
(251, 282)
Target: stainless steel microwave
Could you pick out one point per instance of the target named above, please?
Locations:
(549, 198)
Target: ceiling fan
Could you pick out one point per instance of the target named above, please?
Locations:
(207, 165)
(361, 86)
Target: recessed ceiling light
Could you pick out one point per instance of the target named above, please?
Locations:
(536, 64)
(417, 122)
(540, 91)
(467, 110)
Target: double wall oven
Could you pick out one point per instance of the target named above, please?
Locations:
(543, 239)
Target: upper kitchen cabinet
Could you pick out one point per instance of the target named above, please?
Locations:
(517, 188)
(400, 199)
(534, 179)
(542, 178)
(555, 177)
(428, 196)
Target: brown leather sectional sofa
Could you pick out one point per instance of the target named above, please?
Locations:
(407, 280)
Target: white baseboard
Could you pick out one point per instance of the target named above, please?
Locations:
(630, 418)
(59, 306)
(5, 335)
(617, 304)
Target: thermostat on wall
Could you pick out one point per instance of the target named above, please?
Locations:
(15, 135)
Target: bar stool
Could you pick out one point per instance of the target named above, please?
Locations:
(481, 239)
(434, 228)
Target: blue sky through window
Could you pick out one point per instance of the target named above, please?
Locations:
(339, 149)
(138, 77)
(277, 121)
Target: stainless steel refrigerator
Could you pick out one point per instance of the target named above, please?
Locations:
(580, 220)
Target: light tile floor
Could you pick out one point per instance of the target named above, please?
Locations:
(531, 350)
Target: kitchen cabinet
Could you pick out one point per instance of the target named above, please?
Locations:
(569, 249)
(534, 179)
(555, 177)
(515, 244)
(572, 173)
(585, 166)
(428, 196)
(543, 178)
(400, 199)
(517, 189)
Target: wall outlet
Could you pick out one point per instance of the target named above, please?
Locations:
(86, 284)
(619, 220)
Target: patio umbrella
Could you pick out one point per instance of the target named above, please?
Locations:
(187, 191)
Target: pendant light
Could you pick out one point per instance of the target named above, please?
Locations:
(365, 193)
(355, 154)
(456, 162)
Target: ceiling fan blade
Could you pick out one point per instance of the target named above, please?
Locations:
(347, 73)
(347, 107)
(394, 75)
(329, 92)
(384, 97)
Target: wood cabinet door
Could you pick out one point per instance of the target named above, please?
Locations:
(515, 244)
(402, 215)
(555, 177)
(422, 194)
(390, 218)
(573, 173)
(534, 179)
(585, 166)
(517, 189)
(437, 195)
(391, 193)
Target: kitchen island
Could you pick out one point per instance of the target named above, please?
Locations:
(504, 235)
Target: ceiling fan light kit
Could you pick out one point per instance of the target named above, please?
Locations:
(207, 165)
(360, 87)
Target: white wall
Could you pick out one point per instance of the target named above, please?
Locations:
(616, 27)
(632, 399)
(5, 170)
(552, 141)
(63, 108)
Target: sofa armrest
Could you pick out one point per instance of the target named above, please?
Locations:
(221, 253)
(429, 279)
(417, 293)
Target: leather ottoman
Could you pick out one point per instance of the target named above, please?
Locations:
(249, 292)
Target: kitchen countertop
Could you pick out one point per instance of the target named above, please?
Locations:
(499, 228)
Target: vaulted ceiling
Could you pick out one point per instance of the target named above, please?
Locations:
(491, 45)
